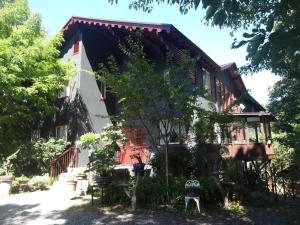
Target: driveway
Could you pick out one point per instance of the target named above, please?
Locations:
(51, 207)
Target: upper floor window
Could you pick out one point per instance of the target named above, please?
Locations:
(76, 45)
(176, 133)
(35, 135)
(61, 132)
(102, 88)
(66, 92)
(206, 81)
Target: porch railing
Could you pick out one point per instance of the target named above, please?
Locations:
(68, 158)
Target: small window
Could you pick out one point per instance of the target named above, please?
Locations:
(66, 92)
(76, 45)
(102, 91)
(61, 132)
(35, 135)
(206, 81)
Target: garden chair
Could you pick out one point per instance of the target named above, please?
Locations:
(81, 187)
(192, 191)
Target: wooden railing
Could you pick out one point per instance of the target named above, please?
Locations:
(68, 158)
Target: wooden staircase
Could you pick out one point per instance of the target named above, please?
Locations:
(69, 158)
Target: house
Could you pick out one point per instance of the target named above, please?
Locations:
(87, 105)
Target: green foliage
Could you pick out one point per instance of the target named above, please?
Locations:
(103, 147)
(34, 158)
(284, 104)
(153, 97)
(152, 191)
(272, 36)
(89, 140)
(39, 183)
(31, 73)
(180, 163)
(25, 184)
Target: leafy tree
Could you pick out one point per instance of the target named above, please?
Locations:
(31, 73)
(285, 105)
(159, 100)
(273, 28)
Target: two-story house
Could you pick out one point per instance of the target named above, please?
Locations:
(87, 104)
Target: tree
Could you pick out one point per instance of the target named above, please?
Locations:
(284, 104)
(31, 73)
(158, 100)
(273, 28)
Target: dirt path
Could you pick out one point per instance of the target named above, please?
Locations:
(49, 208)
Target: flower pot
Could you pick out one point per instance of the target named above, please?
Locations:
(71, 185)
(5, 185)
(81, 177)
(103, 180)
(6, 179)
(138, 167)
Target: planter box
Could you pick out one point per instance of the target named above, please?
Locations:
(71, 185)
(7, 179)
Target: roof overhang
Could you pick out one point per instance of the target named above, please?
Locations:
(162, 29)
(267, 115)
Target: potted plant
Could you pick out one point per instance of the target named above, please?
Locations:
(81, 175)
(103, 148)
(71, 183)
(139, 166)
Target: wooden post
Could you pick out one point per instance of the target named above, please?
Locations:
(247, 133)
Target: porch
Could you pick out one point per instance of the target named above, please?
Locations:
(250, 138)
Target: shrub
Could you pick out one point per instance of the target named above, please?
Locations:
(39, 182)
(34, 158)
(180, 163)
(20, 184)
(151, 192)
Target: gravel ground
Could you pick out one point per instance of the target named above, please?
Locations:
(49, 208)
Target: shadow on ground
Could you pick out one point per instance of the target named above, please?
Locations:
(13, 213)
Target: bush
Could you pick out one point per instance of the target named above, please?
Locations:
(39, 182)
(180, 163)
(34, 158)
(20, 184)
(151, 192)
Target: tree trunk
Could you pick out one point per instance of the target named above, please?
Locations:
(132, 195)
(167, 172)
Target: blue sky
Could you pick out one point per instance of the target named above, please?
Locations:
(212, 40)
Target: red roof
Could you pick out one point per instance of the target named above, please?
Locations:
(158, 28)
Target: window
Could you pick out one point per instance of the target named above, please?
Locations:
(102, 91)
(35, 135)
(192, 76)
(61, 132)
(76, 45)
(255, 133)
(176, 132)
(66, 92)
(206, 81)
(135, 135)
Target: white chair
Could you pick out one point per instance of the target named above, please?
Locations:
(192, 191)
(81, 187)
